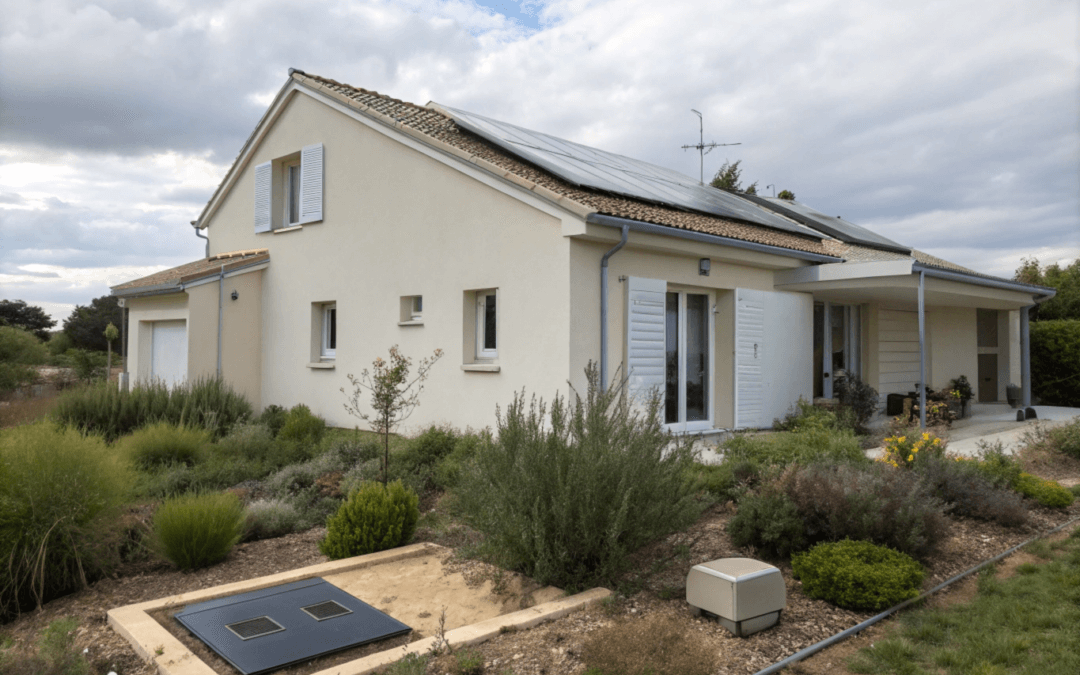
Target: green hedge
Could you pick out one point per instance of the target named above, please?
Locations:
(1055, 362)
(858, 575)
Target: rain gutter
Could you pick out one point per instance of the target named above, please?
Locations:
(604, 306)
(843, 635)
(701, 237)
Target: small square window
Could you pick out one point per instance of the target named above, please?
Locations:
(412, 310)
(329, 332)
(417, 310)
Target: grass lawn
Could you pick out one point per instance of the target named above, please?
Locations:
(1028, 623)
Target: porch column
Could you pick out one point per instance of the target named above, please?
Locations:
(826, 348)
(1025, 358)
(922, 350)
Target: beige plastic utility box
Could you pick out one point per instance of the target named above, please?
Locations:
(745, 595)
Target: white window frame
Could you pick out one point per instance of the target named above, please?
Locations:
(287, 193)
(416, 308)
(482, 352)
(329, 315)
(683, 426)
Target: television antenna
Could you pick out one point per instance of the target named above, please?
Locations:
(702, 147)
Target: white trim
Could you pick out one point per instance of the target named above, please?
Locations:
(292, 228)
(480, 367)
(216, 276)
(810, 274)
(321, 365)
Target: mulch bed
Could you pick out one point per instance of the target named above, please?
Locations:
(554, 648)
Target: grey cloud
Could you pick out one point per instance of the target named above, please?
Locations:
(197, 196)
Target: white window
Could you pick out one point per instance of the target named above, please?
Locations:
(291, 180)
(487, 324)
(688, 368)
(329, 332)
(416, 310)
(289, 190)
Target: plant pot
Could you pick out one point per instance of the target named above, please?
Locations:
(956, 408)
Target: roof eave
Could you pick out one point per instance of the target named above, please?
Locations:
(1039, 293)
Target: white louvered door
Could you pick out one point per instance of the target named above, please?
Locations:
(749, 358)
(645, 335)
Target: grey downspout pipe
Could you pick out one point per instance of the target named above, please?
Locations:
(200, 235)
(604, 306)
(220, 314)
(1025, 358)
(922, 350)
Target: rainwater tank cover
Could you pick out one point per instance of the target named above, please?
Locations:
(275, 627)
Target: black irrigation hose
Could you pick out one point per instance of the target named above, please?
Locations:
(843, 635)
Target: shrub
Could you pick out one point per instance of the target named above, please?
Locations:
(727, 481)
(805, 415)
(269, 518)
(105, 409)
(875, 503)
(449, 469)
(301, 426)
(859, 398)
(1000, 468)
(468, 662)
(56, 653)
(374, 518)
(563, 497)
(197, 530)
(162, 443)
(858, 575)
(903, 451)
(1045, 492)
(86, 364)
(20, 351)
(963, 486)
(1055, 362)
(58, 493)
(1064, 439)
(770, 523)
(273, 416)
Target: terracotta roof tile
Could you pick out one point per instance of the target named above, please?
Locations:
(192, 271)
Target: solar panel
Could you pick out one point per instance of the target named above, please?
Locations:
(272, 628)
(834, 227)
(588, 167)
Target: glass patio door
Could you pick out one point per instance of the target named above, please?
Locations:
(836, 350)
(687, 380)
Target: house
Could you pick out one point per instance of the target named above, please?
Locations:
(351, 221)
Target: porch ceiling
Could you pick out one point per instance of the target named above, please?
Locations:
(903, 291)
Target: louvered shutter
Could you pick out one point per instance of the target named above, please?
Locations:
(645, 335)
(263, 180)
(749, 358)
(311, 183)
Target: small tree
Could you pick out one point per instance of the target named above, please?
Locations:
(111, 333)
(729, 178)
(787, 194)
(393, 395)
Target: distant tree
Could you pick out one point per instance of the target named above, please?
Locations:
(1066, 280)
(28, 317)
(729, 178)
(20, 351)
(752, 190)
(86, 325)
(787, 194)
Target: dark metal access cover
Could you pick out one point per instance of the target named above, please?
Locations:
(276, 627)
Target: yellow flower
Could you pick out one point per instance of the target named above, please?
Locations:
(902, 439)
(937, 441)
(926, 436)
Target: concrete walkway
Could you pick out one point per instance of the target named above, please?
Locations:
(1002, 427)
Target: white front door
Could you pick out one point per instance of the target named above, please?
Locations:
(168, 361)
(688, 339)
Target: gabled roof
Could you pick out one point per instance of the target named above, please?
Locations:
(439, 130)
(174, 280)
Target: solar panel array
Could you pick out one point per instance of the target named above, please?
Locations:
(834, 227)
(583, 166)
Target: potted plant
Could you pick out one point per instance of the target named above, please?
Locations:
(960, 393)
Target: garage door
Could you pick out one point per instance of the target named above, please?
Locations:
(169, 360)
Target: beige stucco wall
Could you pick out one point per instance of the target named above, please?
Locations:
(677, 264)
(142, 312)
(399, 222)
(953, 344)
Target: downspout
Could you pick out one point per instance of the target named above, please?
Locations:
(220, 313)
(1025, 358)
(826, 348)
(922, 350)
(604, 306)
(200, 235)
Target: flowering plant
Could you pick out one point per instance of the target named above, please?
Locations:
(903, 451)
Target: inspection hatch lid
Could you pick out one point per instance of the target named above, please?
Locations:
(275, 627)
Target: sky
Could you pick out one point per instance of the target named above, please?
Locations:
(951, 126)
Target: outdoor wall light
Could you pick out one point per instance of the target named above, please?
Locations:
(703, 267)
(234, 295)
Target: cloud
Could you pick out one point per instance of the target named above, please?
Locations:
(951, 127)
